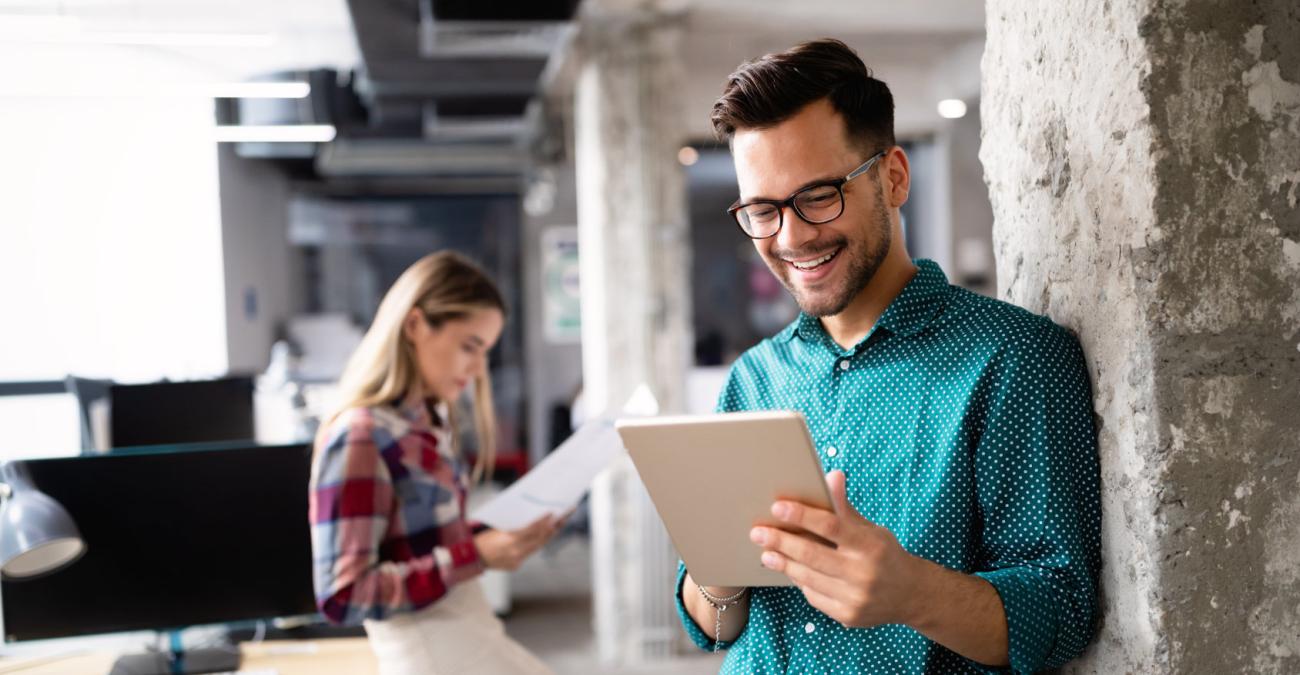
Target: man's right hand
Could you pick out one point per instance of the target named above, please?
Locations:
(507, 550)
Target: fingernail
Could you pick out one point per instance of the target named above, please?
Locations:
(758, 536)
(769, 559)
(781, 510)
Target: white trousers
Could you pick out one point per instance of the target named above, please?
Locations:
(457, 635)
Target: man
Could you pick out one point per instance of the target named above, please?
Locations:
(957, 430)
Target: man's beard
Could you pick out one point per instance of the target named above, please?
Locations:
(862, 261)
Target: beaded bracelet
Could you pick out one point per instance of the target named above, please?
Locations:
(720, 605)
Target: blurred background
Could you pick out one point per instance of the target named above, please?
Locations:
(203, 203)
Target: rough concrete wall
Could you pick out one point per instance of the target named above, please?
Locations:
(1225, 107)
(636, 309)
(1143, 160)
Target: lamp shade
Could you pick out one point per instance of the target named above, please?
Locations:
(36, 534)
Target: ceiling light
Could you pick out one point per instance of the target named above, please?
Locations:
(150, 39)
(952, 108)
(63, 4)
(254, 90)
(60, 29)
(246, 90)
(276, 133)
(688, 156)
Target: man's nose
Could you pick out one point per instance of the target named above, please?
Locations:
(795, 231)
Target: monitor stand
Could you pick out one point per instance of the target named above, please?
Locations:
(189, 662)
(178, 660)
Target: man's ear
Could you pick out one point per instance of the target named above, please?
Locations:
(898, 177)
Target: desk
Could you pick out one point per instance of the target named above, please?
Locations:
(341, 656)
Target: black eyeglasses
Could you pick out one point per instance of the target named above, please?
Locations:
(817, 204)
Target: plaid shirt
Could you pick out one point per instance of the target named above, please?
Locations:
(387, 509)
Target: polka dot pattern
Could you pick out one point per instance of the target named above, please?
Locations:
(964, 425)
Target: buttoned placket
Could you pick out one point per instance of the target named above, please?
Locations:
(845, 366)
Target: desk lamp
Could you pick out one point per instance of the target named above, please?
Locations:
(36, 534)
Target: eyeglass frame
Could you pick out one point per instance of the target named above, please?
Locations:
(781, 204)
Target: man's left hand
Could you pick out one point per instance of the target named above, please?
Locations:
(865, 579)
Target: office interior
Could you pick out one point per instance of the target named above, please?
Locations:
(205, 201)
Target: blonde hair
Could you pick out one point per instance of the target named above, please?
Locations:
(444, 286)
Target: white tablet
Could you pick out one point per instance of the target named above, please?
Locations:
(714, 477)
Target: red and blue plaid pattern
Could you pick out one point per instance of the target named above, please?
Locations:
(387, 505)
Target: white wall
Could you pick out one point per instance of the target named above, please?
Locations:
(110, 248)
(262, 274)
(971, 212)
(554, 370)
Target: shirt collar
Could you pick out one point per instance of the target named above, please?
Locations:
(915, 307)
(414, 408)
(806, 326)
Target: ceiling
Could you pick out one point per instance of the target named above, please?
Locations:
(920, 68)
(276, 34)
(468, 65)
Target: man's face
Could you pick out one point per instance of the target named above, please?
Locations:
(823, 266)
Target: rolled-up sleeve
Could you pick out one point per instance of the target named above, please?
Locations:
(697, 635)
(1037, 482)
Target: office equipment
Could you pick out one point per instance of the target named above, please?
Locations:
(174, 538)
(714, 477)
(181, 412)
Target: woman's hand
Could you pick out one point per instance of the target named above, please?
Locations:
(507, 550)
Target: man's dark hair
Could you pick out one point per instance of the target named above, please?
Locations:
(769, 90)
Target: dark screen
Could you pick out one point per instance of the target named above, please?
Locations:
(181, 412)
(173, 539)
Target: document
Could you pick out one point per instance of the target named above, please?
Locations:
(558, 482)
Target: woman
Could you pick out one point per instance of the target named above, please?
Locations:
(391, 544)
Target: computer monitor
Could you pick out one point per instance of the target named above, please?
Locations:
(181, 412)
(174, 538)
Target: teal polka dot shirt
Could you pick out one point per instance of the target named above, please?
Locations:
(964, 425)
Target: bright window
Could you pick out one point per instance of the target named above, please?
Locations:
(110, 232)
(39, 426)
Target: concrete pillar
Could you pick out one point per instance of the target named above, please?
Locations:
(635, 263)
(1143, 159)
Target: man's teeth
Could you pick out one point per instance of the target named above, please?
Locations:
(813, 263)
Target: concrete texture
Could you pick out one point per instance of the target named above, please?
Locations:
(1143, 160)
(636, 309)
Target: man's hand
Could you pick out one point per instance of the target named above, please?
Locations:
(865, 579)
(507, 550)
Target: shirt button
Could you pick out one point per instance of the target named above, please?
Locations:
(832, 451)
(809, 627)
(844, 365)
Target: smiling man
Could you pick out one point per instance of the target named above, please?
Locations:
(956, 430)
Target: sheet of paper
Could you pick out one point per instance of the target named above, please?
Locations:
(558, 482)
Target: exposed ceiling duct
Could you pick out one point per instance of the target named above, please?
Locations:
(447, 85)
(388, 157)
